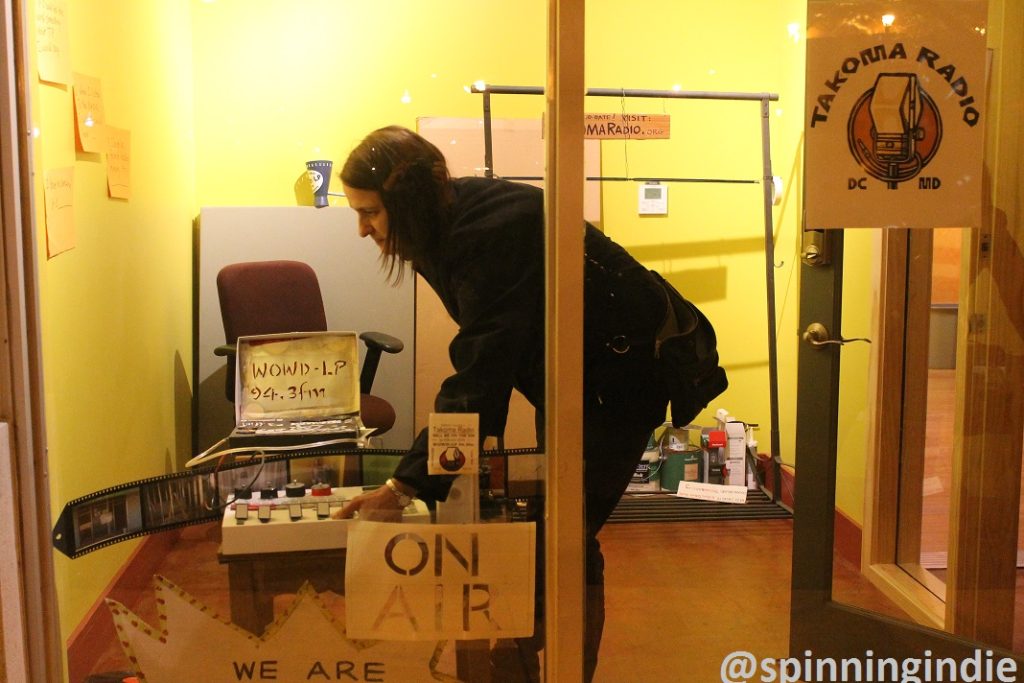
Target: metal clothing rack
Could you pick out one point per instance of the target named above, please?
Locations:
(767, 184)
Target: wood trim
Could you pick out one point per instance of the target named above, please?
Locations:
(86, 643)
(913, 389)
(767, 472)
(12, 623)
(882, 477)
(848, 534)
(932, 583)
(908, 593)
(564, 582)
(30, 610)
(990, 364)
(892, 538)
(849, 538)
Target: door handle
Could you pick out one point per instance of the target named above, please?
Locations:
(817, 335)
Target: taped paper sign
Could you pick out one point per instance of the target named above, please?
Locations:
(453, 443)
(433, 581)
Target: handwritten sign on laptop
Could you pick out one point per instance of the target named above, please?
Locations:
(311, 375)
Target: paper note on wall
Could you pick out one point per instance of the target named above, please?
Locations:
(90, 121)
(53, 46)
(119, 163)
(433, 581)
(59, 192)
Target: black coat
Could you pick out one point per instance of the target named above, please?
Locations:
(488, 270)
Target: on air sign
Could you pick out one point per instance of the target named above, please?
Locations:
(437, 581)
(895, 113)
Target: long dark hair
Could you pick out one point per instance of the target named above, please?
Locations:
(411, 176)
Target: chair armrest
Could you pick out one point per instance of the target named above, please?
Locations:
(228, 350)
(225, 350)
(376, 342)
(382, 342)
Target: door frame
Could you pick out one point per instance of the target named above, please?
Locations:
(31, 629)
(892, 511)
(564, 580)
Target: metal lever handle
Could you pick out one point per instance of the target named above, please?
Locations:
(817, 335)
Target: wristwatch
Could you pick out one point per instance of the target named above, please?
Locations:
(403, 498)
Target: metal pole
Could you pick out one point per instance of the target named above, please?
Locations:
(624, 179)
(769, 266)
(620, 92)
(682, 94)
(488, 149)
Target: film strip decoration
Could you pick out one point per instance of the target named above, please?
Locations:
(180, 499)
(175, 500)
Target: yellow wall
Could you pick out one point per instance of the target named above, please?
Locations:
(860, 293)
(280, 84)
(116, 309)
(227, 99)
(711, 244)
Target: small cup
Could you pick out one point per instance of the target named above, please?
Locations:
(319, 173)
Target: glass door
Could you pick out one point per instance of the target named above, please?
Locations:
(932, 577)
(899, 608)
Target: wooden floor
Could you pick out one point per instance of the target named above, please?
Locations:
(680, 596)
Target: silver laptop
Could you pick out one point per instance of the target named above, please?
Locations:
(297, 388)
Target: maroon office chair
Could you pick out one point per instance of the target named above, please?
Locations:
(269, 297)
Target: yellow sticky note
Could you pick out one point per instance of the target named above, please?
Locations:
(90, 121)
(59, 193)
(119, 163)
(53, 47)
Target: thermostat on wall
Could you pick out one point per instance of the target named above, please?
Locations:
(653, 199)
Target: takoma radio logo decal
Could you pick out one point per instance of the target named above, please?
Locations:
(894, 128)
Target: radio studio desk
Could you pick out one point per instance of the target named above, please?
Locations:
(274, 545)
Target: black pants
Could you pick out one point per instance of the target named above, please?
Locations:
(617, 421)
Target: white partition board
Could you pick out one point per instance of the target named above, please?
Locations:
(356, 297)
